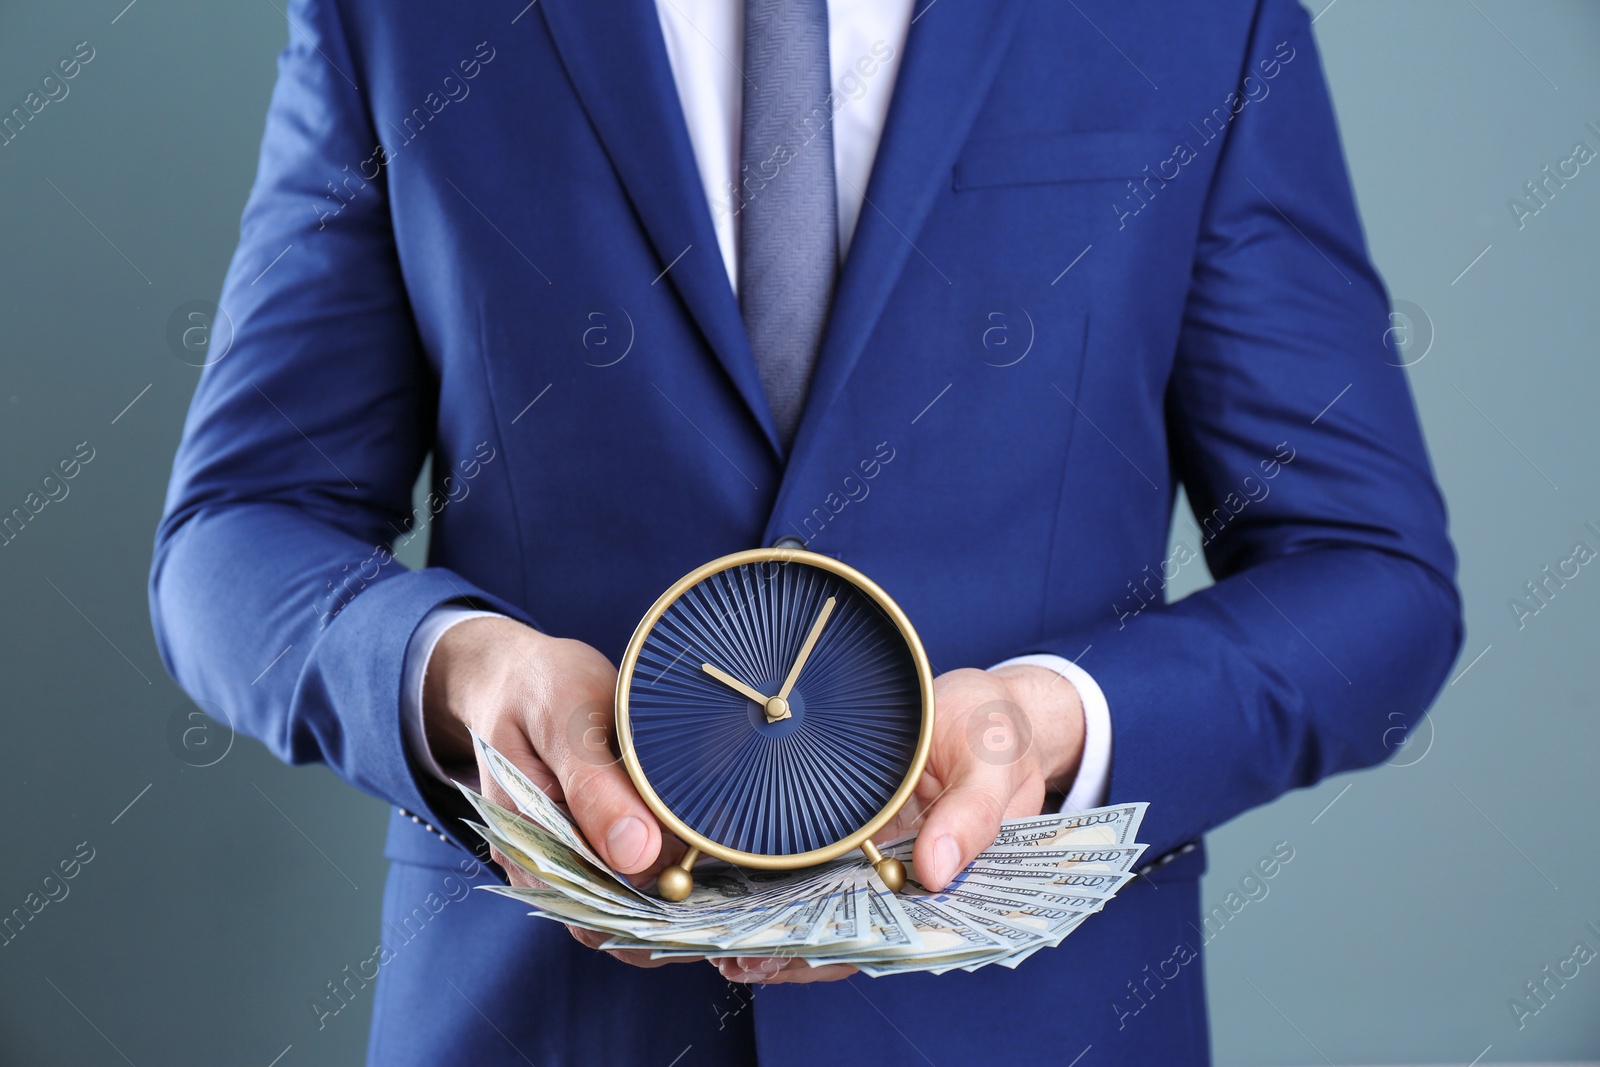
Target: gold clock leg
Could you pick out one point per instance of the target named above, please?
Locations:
(675, 883)
(892, 871)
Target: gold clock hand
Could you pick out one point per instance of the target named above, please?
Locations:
(805, 649)
(776, 707)
(733, 683)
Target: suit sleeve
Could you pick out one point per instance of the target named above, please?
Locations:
(275, 598)
(1335, 615)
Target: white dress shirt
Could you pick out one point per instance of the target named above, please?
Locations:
(705, 44)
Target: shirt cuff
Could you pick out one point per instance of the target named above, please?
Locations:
(418, 652)
(1094, 771)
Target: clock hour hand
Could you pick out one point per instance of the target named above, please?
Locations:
(805, 649)
(745, 690)
(776, 707)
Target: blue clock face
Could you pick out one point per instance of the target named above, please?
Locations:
(829, 743)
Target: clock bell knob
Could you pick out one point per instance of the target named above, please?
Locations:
(891, 870)
(675, 883)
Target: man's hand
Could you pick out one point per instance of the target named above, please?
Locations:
(546, 704)
(1002, 739)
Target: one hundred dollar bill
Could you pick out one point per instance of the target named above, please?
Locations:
(1041, 879)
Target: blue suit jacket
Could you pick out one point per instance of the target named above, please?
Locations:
(1109, 249)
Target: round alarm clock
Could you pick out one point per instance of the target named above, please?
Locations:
(775, 710)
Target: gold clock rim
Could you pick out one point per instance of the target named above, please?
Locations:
(630, 659)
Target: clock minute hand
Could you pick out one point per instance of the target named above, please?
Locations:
(805, 649)
(733, 683)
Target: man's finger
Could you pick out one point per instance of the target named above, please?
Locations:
(588, 938)
(633, 957)
(982, 756)
(639, 957)
(984, 783)
(672, 851)
(576, 745)
(965, 821)
(962, 824)
(769, 970)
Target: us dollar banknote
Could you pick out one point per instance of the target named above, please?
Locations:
(1038, 882)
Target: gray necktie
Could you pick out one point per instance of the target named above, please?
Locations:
(788, 214)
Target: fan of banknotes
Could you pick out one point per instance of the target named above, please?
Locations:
(1040, 879)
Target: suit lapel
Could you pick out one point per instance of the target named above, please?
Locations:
(614, 53)
(951, 55)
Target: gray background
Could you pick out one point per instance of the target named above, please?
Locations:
(1421, 896)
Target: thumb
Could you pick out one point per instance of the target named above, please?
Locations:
(600, 794)
(962, 823)
(984, 785)
(981, 753)
(613, 818)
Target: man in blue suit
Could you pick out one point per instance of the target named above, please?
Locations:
(960, 294)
